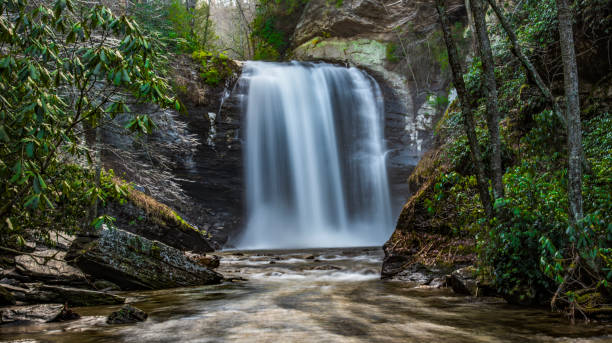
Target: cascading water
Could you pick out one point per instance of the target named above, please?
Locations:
(315, 165)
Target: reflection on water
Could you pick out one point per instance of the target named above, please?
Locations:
(331, 295)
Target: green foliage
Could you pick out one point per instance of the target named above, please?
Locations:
(531, 244)
(530, 248)
(216, 67)
(179, 28)
(438, 47)
(458, 190)
(391, 52)
(273, 26)
(541, 16)
(193, 28)
(271, 42)
(59, 72)
(535, 205)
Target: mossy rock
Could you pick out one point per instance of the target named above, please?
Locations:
(127, 314)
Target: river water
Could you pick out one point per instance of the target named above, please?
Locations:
(330, 295)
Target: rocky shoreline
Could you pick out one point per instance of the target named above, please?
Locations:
(44, 280)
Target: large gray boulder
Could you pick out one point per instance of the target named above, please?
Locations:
(134, 262)
(49, 266)
(35, 313)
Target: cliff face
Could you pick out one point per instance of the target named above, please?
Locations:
(396, 42)
(192, 162)
(213, 177)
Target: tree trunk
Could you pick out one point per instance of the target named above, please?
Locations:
(488, 64)
(531, 70)
(466, 109)
(247, 30)
(206, 27)
(574, 129)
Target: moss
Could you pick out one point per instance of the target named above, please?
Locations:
(159, 213)
(215, 67)
(155, 251)
(391, 52)
(364, 52)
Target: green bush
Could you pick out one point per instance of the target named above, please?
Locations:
(392, 52)
(216, 67)
(273, 26)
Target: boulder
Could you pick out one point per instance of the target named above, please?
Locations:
(144, 216)
(467, 281)
(208, 261)
(134, 262)
(463, 281)
(49, 266)
(417, 274)
(127, 314)
(34, 313)
(66, 314)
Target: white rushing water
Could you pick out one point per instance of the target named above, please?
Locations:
(314, 157)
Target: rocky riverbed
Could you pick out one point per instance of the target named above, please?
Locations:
(331, 295)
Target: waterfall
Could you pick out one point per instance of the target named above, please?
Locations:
(314, 157)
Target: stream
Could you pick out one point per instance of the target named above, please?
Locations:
(315, 295)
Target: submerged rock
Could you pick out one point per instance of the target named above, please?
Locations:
(127, 314)
(134, 262)
(35, 313)
(65, 315)
(208, 261)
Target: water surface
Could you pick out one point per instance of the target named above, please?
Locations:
(331, 295)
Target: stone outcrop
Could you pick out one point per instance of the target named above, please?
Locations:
(213, 178)
(192, 162)
(421, 236)
(134, 262)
